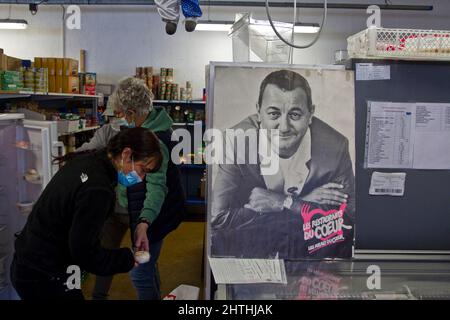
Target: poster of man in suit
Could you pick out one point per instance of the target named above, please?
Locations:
(305, 207)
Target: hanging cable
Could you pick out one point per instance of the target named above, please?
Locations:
(209, 6)
(291, 49)
(63, 31)
(324, 20)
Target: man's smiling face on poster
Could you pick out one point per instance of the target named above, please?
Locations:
(288, 112)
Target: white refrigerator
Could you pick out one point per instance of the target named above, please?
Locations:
(27, 148)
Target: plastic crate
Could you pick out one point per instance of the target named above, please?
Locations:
(408, 44)
(255, 40)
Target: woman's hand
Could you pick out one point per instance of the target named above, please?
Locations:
(140, 237)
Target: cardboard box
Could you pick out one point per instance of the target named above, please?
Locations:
(70, 67)
(44, 63)
(59, 67)
(58, 84)
(13, 64)
(70, 84)
(37, 62)
(51, 83)
(51, 65)
(59, 75)
(3, 62)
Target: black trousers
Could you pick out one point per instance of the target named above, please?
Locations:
(31, 284)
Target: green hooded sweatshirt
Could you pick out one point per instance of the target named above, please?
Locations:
(157, 120)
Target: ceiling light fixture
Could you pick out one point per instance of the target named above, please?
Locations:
(306, 27)
(12, 24)
(214, 25)
(226, 26)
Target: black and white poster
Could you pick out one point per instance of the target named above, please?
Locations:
(282, 161)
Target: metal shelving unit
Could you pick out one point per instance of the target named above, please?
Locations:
(182, 124)
(191, 173)
(189, 102)
(49, 96)
(81, 130)
(192, 166)
(43, 95)
(58, 101)
(195, 201)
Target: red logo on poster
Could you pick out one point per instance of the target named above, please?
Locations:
(327, 228)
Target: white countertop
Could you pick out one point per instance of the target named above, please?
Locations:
(11, 116)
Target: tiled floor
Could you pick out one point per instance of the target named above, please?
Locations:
(180, 262)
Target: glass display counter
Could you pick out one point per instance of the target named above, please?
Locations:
(351, 280)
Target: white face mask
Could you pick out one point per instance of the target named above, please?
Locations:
(116, 123)
(128, 124)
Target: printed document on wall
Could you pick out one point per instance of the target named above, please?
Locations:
(408, 135)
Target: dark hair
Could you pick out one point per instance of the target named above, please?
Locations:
(286, 80)
(142, 142)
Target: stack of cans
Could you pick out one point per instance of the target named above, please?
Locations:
(186, 93)
(28, 79)
(148, 77)
(169, 75)
(167, 89)
(146, 74)
(41, 80)
(188, 90)
(183, 94)
(162, 84)
(174, 94)
(138, 72)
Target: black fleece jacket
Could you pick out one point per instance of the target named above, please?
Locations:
(64, 226)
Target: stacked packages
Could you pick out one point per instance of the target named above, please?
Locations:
(11, 80)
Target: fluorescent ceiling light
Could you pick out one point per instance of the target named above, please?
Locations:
(262, 25)
(306, 28)
(214, 25)
(13, 24)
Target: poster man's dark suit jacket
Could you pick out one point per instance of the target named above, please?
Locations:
(240, 232)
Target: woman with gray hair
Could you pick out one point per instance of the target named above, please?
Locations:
(152, 208)
(132, 98)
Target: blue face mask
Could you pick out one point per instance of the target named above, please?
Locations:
(129, 179)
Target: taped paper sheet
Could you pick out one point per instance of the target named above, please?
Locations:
(369, 72)
(408, 135)
(391, 184)
(230, 270)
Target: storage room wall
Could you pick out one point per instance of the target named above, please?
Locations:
(119, 38)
